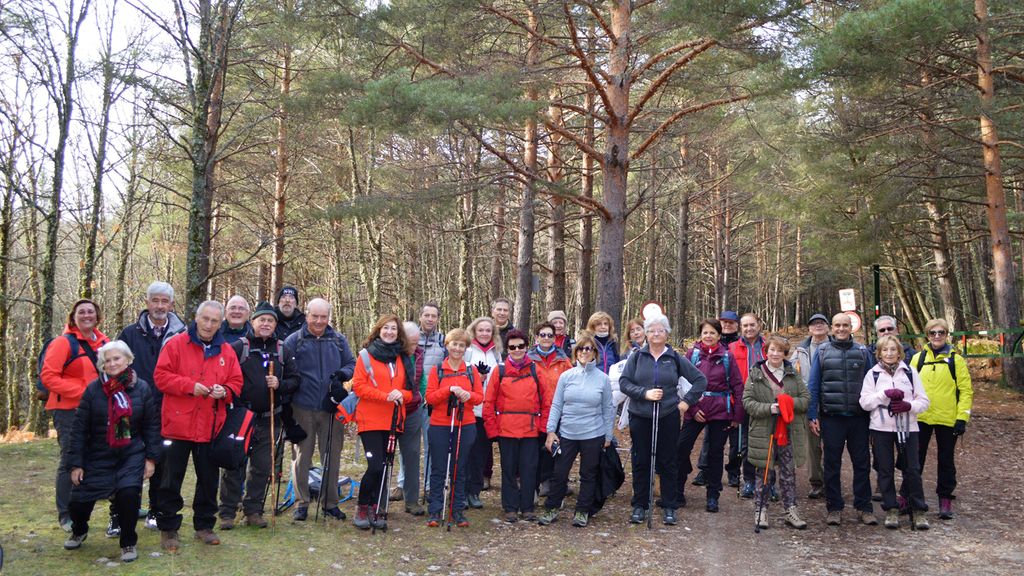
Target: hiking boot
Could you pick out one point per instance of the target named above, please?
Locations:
(362, 519)
(460, 519)
(129, 554)
(892, 518)
(580, 520)
(668, 517)
(74, 542)
(834, 518)
(699, 479)
(761, 518)
(227, 523)
(712, 505)
(549, 516)
(794, 519)
(113, 527)
(816, 492)
(415, 509)
(150, 522)
(734, 480)
(868, 518)
(255, 520)
(748, 490)
(208, 537)
(474, 501)
(335, 513)
(544, 488)
(946, 508)
(434, 521)
(65, 525)
(511, 517)
(638, 515)
(396, 494)
(169, 540)
(921, 521)
(300, 514)
(530, 517)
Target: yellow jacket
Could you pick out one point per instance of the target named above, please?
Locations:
(950, 399)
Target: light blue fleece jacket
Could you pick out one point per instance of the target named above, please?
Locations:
(582, 407)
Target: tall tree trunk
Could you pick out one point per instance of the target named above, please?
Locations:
(499, 246)
(128, 234)
(556, 246)
(683, 250)
(585, 278)
(615, 166)
(281, 174)
(798, 266)
(527, 223)
(1005, 279)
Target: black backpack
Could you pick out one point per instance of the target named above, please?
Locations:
(230, 447)
(42, 393)
(950, 361)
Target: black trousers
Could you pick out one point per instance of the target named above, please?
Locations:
(886, 462)
(851, 433)
(374, 444)
(589, 451)
(518, 473)
(125, 505)
(256, 474)
(169, 502)
(641, 430)
(945, 443)
(545, 461)
(481, 460)
(716, 434)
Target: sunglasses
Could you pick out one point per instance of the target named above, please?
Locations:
(546, 335)
(936, 332)
(887, 329)
(585, 349)
(517, 346)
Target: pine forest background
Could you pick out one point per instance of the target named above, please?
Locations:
(756, 155)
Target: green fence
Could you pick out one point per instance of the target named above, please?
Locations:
(996, 336)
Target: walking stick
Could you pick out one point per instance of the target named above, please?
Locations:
(326, 473)
(902, 429)
(764, 481)
(448, 465)
(455, 469)
(273, 443)
(656, 412)
(385, 477)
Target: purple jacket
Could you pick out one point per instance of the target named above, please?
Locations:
(723, 399)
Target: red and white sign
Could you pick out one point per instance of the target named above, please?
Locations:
(855, 321)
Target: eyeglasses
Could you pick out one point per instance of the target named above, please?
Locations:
(655, 330)
(546, 335)
(585, 349)
(886, 329)
(516, 346)
(936, 332)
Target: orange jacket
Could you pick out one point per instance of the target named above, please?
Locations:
(438, 392)
(375, 412)
(183, 362)
(739, 351)
(548, 370)
(516, 405)
(66, 385)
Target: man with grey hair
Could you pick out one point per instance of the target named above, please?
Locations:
(199, 375)
(155, 326)
(236, 320)
(888, 326)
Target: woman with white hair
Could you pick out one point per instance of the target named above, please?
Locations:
(114, 446)
(651, 378)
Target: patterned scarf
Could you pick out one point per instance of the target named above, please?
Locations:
(119, 408)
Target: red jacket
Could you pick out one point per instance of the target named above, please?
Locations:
(66, 385)
(183, 362)
(516, 406)
(739, 351)
(438, 392)
(374, 411)
(548, 370)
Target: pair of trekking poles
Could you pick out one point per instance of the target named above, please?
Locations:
(456, 408)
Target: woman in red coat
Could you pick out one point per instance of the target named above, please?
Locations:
(383, 393)
(67, 370)
(452, 387)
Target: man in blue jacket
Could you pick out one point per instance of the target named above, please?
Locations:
(324, 362)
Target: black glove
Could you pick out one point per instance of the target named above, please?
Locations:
(293, 432)
(335, 395)
(959, 428)
(482, 368)
(338, 378)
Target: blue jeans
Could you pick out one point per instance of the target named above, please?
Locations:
(439, 444)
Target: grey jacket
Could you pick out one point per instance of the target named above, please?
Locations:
(582, 406)
(642, 373)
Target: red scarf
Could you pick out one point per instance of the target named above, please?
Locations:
(484, 347)
(119, 408)
(785, 402)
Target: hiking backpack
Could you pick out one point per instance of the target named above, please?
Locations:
(42, 393)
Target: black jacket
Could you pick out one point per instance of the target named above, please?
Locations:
(255, 394)
(288, 326)
(837, 376)
(146, 346)
(642, 373)
(110, 469)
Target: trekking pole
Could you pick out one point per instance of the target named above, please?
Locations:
(455, 469)
(448, 464)
(326, 473)
(764, 481)
(273, 444)
(385, 477)
(656, 413)
(902, 431)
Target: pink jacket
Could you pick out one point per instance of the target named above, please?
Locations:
(874, 400)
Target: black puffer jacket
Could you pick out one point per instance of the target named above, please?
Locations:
(255, 394)
(837, 375)
(642, 373)
(145, 345)
(110, 469)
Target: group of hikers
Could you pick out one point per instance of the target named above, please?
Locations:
(142, 405)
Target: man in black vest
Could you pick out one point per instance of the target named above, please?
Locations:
(837, 375)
